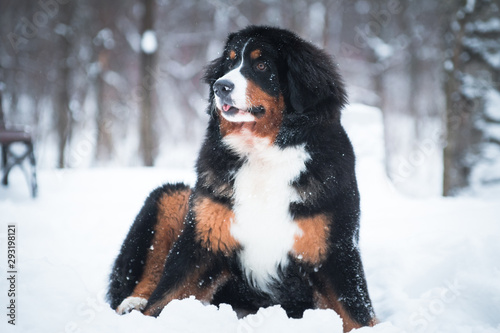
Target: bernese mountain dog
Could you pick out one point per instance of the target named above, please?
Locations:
(274, 215)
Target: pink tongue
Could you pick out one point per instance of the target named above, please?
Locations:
(226, 107)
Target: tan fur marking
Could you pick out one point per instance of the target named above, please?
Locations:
(228, 127)
(191, 287)
(255, 54)
(172, 210)
(232, 55)
(312, 245)
(267, 125)
(213, 226)
(329, 300)
(203, 293)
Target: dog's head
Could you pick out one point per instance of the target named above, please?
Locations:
(267, 74)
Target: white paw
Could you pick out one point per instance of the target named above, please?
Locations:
(131, 303)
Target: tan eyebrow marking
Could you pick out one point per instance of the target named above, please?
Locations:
(255, 54)
(232, 55)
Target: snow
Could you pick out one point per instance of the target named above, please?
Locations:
(469, 6)
(488, 49)
(492, 109)
(471, 87)
(492, 25)
(487, 170)
(382, 49)
(431, 264)
(149, 43)
(316, 21)
(105, 38)
(479, 42)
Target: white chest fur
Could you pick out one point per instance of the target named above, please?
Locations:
(263, 225)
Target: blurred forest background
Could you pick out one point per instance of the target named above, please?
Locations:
(107, 83)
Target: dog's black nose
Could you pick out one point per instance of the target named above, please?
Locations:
(223, 88)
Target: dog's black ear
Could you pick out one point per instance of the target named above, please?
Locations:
(312, 82)
(213, 71)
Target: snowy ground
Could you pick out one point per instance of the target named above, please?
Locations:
(432, 265)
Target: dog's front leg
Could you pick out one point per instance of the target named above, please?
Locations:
(197, 265)
(139, 266)
(341, 286)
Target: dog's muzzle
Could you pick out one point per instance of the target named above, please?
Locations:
(223, 89)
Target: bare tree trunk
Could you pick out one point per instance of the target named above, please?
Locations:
(14, 99)
(104, 145)
(148, 138)
(455, 173)
(2, 119)
(61, 100)
(470, 78)
(63, 117)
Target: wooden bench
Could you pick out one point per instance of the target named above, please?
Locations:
(11, 158)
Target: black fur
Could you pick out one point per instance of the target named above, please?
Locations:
(129, 264)
(314, 96)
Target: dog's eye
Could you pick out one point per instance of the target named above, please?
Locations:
(261, 66)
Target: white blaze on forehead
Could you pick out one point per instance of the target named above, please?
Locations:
(239, 94)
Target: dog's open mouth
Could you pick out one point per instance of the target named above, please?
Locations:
(236, 115)
(231, 110)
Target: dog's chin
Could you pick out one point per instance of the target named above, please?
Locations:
(236, 115)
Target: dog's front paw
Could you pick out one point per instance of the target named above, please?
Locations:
(131, 303)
